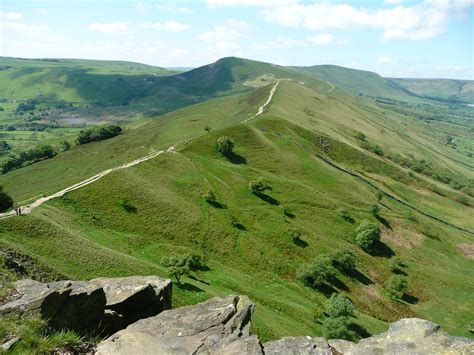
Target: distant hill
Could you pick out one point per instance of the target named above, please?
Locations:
(354, 81)
(447, 89)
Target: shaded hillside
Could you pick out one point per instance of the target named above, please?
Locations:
(444, 89)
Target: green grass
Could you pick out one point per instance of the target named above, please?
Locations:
(260, 260)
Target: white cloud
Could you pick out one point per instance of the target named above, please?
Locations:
(393, 2)
(166, 26)
(321, 39)
(280, 42)
(11, 16)
(387, 60)
(422, 21)
(23, 27)
(225, 36)
(42, 11)
(249, 3)
(113, 28)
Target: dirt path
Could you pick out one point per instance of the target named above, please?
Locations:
(29, 207)
(331, 89)
(262, 108)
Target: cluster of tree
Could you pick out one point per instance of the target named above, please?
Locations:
(27, 157)
(182, 265)
(98, 133)
(339, 310)
(6, 202)
(4, 147)
(30, 105)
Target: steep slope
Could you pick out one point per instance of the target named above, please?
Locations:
(83, 161)
(74, 80)
(444, 89)
(354, 81)
(323, 184)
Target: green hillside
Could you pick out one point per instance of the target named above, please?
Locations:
(319, 155)
(357, 82)
(447, 89)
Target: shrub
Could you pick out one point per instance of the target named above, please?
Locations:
(345, 260)
(367, 234)
(339, 306)
(259, 186)
(287, 211)
(396, 264)
(182, 265)
(317, 273)
(64, 145)
(346, 216)
(210, 197)
(396, 286)
(374, 209)
(360, 135)
(295, 234)
(225, 145)
(6, 202)
(207, 129)
(337, 328)
(128, 206)
(4, 146)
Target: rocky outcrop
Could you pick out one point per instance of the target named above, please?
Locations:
(220, 325)
(297, 345)
(408, 336)
(132, 298)
(76, 305)
(217, 326)
(100, 305)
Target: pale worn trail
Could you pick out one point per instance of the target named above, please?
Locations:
(28, 208)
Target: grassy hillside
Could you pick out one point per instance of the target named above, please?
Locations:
(321, 175)
(445, 89)
(353, 81)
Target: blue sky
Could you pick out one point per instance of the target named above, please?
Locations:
(400, 38)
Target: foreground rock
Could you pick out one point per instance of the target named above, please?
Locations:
(101, 305)
(132, 298)
(297, 345)
(76, 305)
(408, 336)
(217, 326)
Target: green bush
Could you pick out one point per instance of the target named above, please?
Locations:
(367, 234)
(339, 306)
(317, 273)
(345, 260)
(64, 146)
(396, 264)
(259, 186)
(396, 286)
(338, 328)
(225, 145)
(210, 197)
(6, 202)
(182, 265)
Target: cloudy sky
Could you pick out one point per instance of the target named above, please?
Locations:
(401, 38)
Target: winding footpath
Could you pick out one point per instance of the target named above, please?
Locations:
(28, 208)
(262, 108)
